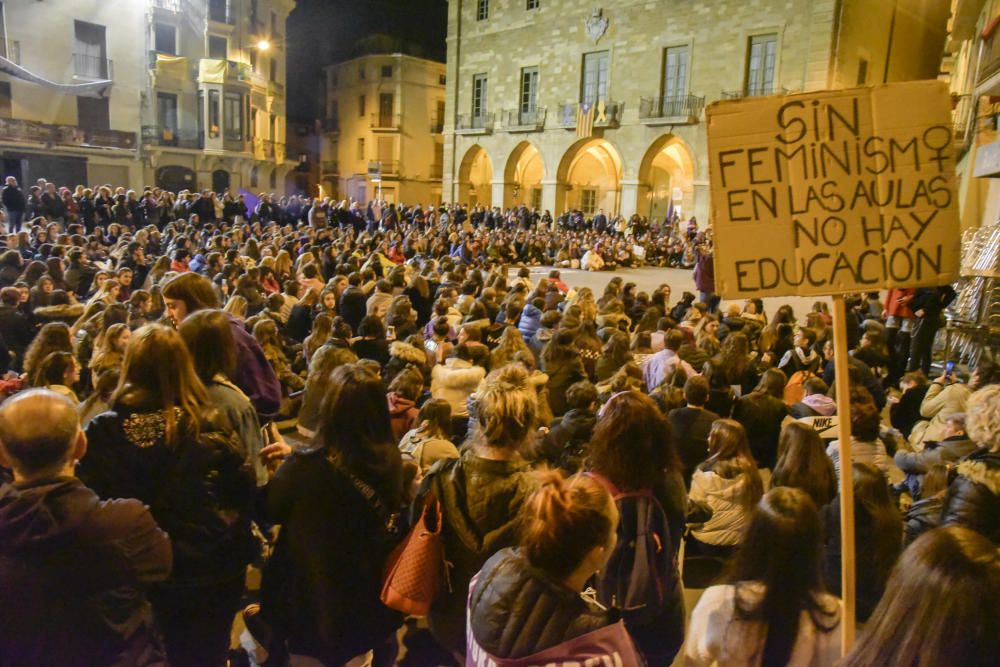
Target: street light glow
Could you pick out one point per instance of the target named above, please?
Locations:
(263, 45)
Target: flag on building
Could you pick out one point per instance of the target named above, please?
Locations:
(585, 119)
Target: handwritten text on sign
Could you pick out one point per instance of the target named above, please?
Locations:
(834, 192)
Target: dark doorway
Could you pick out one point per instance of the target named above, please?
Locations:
(175, 179)
(220, 181)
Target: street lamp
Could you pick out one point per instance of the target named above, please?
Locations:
(263, 45)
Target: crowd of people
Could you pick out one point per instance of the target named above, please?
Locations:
(195, 390)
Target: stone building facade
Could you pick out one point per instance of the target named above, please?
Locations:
(527, 79)
(383, 127)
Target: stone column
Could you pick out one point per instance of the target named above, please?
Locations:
(549, 191)
(497, 193)
(629, 202)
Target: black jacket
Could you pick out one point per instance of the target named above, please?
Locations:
(906, 413)
(73, 570)
(689, 428)
(15, 330)
(353, 306)
(516, 610)
(201, 491)
(13, 198)
(973, 499)
(321, 586)
(761, 415)
(921, 517)
(565, 445)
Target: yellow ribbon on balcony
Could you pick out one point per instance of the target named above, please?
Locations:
(212, 70)
(172, 68)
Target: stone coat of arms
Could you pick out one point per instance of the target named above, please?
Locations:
(597, 25)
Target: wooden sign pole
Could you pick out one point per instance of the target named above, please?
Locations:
(843, 388)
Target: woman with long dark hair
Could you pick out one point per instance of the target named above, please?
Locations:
(762, 412)
(939, 607)
(336, 502)
(772, 611)
(803, 464)
(632, 448)
(163, 443)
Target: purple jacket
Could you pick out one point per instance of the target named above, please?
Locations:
(704, 273)
(254, 376)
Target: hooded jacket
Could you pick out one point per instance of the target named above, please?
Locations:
(531, 320)
(402, 413)
(724, 496)
(973, 499)
(515, 610)
(814, 405)
(565, 445)
(480, 501)
(454, 382)
(73, 570)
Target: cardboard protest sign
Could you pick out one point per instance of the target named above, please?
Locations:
(831, 192)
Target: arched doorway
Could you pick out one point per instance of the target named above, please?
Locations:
(523, 177)
(174, 179)
(666, 179)
(589, 178)
(475, 178)
(220, 181)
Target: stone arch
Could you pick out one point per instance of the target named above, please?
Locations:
(666, 178)
(589, 177)
(475, 177)
(523, 176)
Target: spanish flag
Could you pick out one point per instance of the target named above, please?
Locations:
(585, 119)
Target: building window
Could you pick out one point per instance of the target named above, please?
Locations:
(273, 179)
(536, 198)
(166, 116)
(274, 23)
(361, 106)
(93, 113)
(361, 72)
(529, 90)
(442, 79)
(588, 201)
(218, 47)
(165, 38)
(254, 61)
(6, 110)
(675, 71)
(254, 176)
(90, 50)
(533, 4)
(761, 63)
(439, 118)
(232, 113)
(386, 71)
(361, 148)
(252, 130)
(595, 77)
(274, 69)
(213, 114)
(862, 71)
(478, 95)
(483, 10)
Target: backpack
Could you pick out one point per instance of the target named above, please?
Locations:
(641, 574)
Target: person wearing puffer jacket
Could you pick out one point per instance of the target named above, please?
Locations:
(454, 381)
(531, 318)
(569, 532)
(944, 398)
(973, 499)
(728, 483)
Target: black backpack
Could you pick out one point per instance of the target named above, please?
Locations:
(641, 575)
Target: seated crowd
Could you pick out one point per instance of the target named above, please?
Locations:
(191, 397)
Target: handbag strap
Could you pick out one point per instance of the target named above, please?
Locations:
(390, 518)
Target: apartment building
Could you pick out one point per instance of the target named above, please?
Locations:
(563, 104)
(175, 93)
(383, 129)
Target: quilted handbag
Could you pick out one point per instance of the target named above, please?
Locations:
(417, 572)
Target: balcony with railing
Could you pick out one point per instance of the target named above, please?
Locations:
(754, 91)
(385, 122)
(159, 135)
(988, 82)
(218, 11)
(474, 123)
(268, 147)
(389, 168)
(29, 131)
(676, 110)
(329, 167)
(92, 67)
(520, 120)
(11, 50)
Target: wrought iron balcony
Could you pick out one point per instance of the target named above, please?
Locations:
(159, 135)
(474, 124)
(518, 120)
(385, 122)
(387, 168)
(755, 91)
(92, 67)
(329, 167)
(28, 131)
(610, 118)
(676, 110)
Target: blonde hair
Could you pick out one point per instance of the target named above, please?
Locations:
(507, 407)
(237, 306)
(982, 417)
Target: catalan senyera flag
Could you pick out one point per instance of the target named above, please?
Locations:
(585, 119)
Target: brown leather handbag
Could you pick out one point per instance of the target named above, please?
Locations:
(417, 572)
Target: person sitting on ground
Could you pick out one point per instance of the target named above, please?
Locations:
(568, 536)
(691, 425)
(803, 464)
(404, 391)
(429, 442)
(802, 357)
(904, 410)
(866, 446)
(656, 367)
(925, 513)
(73, 569)
(60, 372)
(454, 381)
(565, 445)
(955, 446)
(773, 609)
(815, 402)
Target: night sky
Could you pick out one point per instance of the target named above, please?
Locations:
(321, 32)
